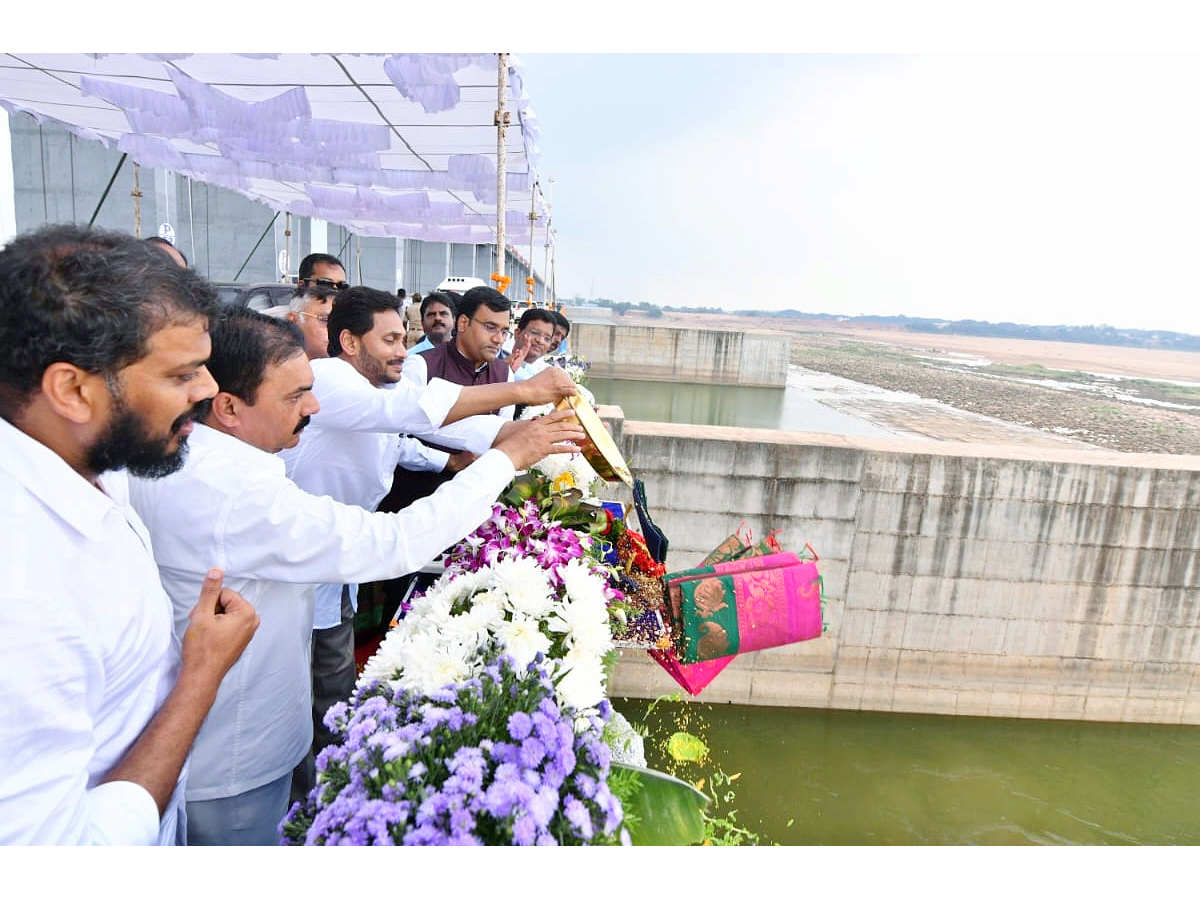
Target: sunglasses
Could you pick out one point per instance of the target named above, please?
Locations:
(327, 283)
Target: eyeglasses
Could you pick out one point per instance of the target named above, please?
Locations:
(541, 336)
(320, 317)
(493, 330)
(327, 283)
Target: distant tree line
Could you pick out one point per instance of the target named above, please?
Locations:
(1078, 334)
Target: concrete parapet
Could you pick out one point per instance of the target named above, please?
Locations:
(959, 579)
(688, 355)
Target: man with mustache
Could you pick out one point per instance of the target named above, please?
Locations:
(105, 341)
(233, 501)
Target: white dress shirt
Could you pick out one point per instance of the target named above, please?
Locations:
(529, 369)
(87, 654)
(350, 450)
(232, 506)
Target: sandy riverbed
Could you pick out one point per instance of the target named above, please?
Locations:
(957, 396)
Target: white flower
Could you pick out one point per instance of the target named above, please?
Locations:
(522, 639)
(582, 685)
(585, 625)
(524, 584)
(582, 584)
(435, 661)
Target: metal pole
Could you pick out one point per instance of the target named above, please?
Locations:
(136, 194)
(546, 296)
(287, 247)
(261, 238)
(532, 218)
(107, 188)
(501, 158)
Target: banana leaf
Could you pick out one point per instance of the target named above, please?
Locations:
(668, 810)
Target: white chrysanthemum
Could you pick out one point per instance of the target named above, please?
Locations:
(432, 663)
(388, 659)
(585, 625)
(522, 639)
(524, 584)
(582, 684)
(468, 629)
(582, 584)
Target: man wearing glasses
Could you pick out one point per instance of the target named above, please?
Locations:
(471, 357)
(534, 339)
(323, 271)
(309, 309)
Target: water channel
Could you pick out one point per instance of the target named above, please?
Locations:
(840, 777)
(837, 777)
(793, 408)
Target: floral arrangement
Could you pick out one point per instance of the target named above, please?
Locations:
(483, 717)
(575, 366)
(493, 759)
(513, 606)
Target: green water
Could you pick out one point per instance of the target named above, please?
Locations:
(838, 777)
(789, 409)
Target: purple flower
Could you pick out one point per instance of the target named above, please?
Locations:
(533, 752)
(578, 816)
(519, 725)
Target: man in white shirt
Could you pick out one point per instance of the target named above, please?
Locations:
(351, 450)
(105, 340)
(309, 309)
(533, 340)
(437, 322)
(232, 501)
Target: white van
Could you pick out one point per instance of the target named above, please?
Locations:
(460, 284)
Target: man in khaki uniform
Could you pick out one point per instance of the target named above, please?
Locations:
(412, 315)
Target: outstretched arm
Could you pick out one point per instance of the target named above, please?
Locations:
(549, 386)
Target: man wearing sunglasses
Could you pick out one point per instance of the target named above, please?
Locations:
(323, 271)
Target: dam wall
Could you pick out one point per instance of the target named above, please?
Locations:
(959, 579)
(688, 355)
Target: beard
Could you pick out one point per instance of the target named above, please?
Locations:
(375, 370)
(128, 444)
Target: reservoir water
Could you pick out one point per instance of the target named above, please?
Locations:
(837, 777)
(793, 408)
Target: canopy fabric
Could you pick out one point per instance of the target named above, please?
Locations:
(400, 145)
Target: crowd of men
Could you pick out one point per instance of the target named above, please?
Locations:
(193, 494)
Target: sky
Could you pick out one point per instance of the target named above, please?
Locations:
(1032, 188)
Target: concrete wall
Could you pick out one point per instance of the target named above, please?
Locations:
(959, 579)
(691, 355)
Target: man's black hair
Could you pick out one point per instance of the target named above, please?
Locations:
(401, 293)
(439, 297)
(309, 263)
(561, 320)
(89, 297)
(482, 296)
(244, 344)
(354, 311)
(536, 314)
(155, 239)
